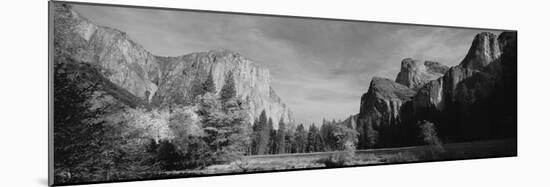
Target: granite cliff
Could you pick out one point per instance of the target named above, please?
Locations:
(471, 101)
(139, 78)
(415, 74)
(180, 74)
(381, 111)
(124, 62)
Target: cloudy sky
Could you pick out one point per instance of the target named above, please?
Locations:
(319, 68)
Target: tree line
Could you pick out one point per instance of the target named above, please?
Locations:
(331, 136)
(98, 138)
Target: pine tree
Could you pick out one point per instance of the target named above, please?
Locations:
(255, 137)
(228, 90)
(272, 137)
(314, 140)
(261, 134)
(224, 127)
(80, 133)
(270, 124)
(281, 133)
(310, 145)
(327, 136)
(289, 140)
(209, 86)
(268, 135)
(300, 139)
(199, 88)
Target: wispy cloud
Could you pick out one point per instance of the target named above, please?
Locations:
(320, 68)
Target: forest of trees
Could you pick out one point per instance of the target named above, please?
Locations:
(331, 136)
(99, 138)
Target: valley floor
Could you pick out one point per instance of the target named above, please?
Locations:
(455, 151)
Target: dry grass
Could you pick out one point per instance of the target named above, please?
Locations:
(426, 153)
(399, 157)
(278, 164)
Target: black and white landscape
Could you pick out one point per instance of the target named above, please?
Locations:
(150, 93)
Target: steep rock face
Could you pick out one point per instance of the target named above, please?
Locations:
(435, 93)
(381, 111)
(351, 121)
(464, 102)
(484, 50)
(506, 100)
(474, 100)
(124, 62)
(472, 80)
(137, 77)
(384, 98)
(252, 81)
(450, 100)
(415, 74)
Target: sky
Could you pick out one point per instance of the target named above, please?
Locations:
(320, 68)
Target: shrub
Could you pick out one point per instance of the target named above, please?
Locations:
(336, 160)
(428, 134)
(398, 157)
(341, 158)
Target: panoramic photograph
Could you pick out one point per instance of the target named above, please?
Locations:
(147, 93)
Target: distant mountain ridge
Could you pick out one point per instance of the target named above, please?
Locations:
(153, 80)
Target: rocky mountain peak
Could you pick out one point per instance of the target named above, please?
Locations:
(414, 74)
(462, 102)
(384, 97)
(217, 55)
(388, 89)
(381, 108)
(253, 81)
(125, 63)
(485, 49)
(436, 67)
(465, 101)
(154, 80)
